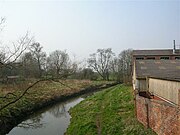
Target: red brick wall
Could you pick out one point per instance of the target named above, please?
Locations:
(163, 118)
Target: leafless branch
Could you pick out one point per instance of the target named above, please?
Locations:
(11, 55)
(2, 21)
(57, 80)
(19, 47)
(25, 91)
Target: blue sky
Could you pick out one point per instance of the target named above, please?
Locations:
(81, 27)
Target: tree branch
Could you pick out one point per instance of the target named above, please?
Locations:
(25, 91)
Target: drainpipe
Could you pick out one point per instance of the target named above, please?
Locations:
(135, 106)
(174, 47)
(179, 98)
(147, 111)
(147, 84)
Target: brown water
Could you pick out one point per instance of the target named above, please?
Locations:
(53, 120)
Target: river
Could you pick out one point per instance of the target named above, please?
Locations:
(52, 120)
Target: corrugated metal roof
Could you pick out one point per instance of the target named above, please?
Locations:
(158, 68)
(165, 52)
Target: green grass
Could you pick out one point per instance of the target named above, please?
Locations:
(109, 112)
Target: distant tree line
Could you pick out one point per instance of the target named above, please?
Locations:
(28, 60)
(112, 67)
(35, 63)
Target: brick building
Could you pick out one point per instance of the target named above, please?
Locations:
(156, 84)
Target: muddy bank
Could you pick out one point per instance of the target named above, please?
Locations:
(7, 123)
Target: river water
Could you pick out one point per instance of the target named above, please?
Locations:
(53, 120)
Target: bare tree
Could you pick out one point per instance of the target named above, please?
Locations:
(2, 21)
(29, 65)
(2, 55)
(39, 55)
(9, 55)
(2, 51)
(115, 66)
(125, 61)
(60, 64)
(100, 61)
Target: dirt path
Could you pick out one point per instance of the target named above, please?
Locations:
(98, 124)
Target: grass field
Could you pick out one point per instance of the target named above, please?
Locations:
(109, 112)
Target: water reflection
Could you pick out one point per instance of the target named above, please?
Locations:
(50, 121)
(58, 111)
(32, 123)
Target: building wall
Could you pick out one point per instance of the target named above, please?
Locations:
(165, 89)
(142, 85)
(160, 116)
(138, 84)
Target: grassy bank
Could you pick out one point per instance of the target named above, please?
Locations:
(109, 112)
(42, 94)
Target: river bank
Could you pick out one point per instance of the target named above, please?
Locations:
(108, 112)
(40, 96)
(51, 120)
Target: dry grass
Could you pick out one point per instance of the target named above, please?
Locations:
(42, 92)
